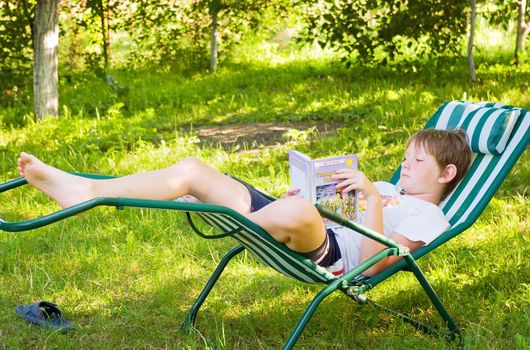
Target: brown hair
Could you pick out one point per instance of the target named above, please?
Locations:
(447, 147)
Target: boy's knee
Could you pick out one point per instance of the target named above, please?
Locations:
(189, 164)
(298, 213)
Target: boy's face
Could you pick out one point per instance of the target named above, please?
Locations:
(420, 172)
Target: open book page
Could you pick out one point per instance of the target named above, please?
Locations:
(300, 172)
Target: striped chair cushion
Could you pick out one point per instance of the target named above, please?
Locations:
(488, 126)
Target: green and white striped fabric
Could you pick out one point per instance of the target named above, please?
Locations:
(268, 250)
(488, 126)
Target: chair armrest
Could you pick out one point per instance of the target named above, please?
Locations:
(339, 219)
(376, 236)
(157, 204)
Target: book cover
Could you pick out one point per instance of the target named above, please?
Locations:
(313, 178)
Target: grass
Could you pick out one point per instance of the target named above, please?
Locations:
(128, 278)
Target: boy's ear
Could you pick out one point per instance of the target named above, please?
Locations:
(447, 174)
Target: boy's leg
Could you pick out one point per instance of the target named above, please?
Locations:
(189, 176)
(293, 221)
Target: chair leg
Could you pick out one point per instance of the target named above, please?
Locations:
(189, 322)
(453, 328)
(293, 338)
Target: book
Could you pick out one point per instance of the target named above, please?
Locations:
(313, 178)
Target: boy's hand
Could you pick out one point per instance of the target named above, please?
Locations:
(293, 191)
(355, 180)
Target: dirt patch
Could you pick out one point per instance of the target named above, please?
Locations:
(253, 135)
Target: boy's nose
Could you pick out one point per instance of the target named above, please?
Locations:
(405, 164)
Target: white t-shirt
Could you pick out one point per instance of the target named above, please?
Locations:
(414, 218)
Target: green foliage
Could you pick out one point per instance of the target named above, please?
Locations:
(502, 12)
(16, 21)
(175, 35)
(169, 33)
(383, 30)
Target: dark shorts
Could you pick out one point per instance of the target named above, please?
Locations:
(328, 253)
(257, 200)
(325, 255)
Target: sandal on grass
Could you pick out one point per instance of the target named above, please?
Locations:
(44, 314)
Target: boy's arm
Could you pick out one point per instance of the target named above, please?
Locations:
(369, 247)
(353, 179)
(374, 221)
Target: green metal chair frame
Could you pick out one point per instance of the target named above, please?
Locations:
(462, 208)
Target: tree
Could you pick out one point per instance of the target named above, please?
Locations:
(45, 63)
(95, 17)
(504, 12)
(239, 16)
(214, 8)
(104, 16)
(523, 28)
(172, 34)
(470, 43)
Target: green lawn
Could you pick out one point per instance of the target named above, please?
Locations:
(127, 278)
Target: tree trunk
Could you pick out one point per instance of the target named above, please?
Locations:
(213, 42)
(108, 34)
(525, 34)
(45, 65)
(522, 32)
(104, 33)
(471, 40)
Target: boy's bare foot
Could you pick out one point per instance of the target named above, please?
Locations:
(66, 189)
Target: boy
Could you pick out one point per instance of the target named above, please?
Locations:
(435, 160)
